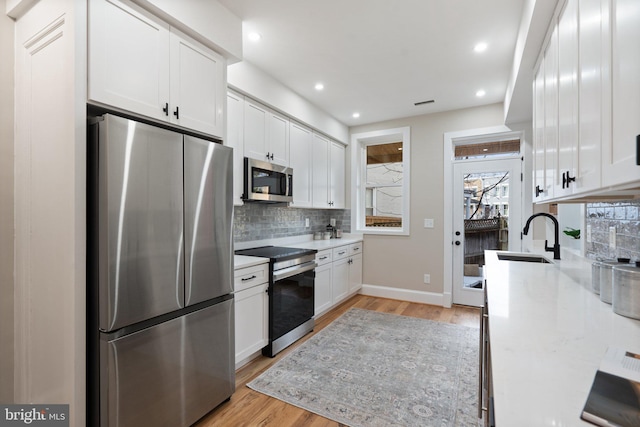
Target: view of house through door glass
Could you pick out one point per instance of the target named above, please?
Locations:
(486, 216)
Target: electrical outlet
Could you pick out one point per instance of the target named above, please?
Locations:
(428, 223)
(427, 278)
(588, 233)
(306, 222)
(612, 237)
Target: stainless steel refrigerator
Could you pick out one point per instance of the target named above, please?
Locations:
(160, 315)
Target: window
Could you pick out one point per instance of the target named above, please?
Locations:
(381, 193)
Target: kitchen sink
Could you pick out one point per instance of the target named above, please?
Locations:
(523, 257)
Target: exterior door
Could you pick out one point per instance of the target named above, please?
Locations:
(487, 214)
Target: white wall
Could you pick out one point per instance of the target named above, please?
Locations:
(6, 207)
(250, 80)
(401, 261)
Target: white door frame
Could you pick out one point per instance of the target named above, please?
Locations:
(450, 139)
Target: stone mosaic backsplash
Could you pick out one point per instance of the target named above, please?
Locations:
(258, 221)
(625, 217)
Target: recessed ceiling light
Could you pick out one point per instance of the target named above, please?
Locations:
(319, 86)
(480, 47)
(480, 93)
(254, 37)
(355, 115)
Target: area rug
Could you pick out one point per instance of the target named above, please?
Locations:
(376, 369)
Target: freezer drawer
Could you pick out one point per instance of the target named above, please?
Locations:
(171, 374)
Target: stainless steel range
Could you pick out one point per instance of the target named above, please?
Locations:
(291, 294)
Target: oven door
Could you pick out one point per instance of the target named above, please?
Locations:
(291, 301)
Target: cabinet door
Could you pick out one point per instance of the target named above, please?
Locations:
(593, 78)
(235, 131)
(355, 273)
(620, 156)
(551, 114)
(337, 175)
(538, 134)
(278, 139)
(320, 150)
(197, 86)
(323, 300)
(128, 58)
(251, 310)
(567, 99)
(255, 130)
(300, 159)
(340, 279)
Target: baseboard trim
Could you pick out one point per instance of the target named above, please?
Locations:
(403, 294)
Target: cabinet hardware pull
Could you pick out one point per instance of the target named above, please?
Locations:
(271, 156)
(268, 156)
(246, 279)
(567, 179)
(638, 150)
(539, 190)
(356, 249)
(177, 113)
(323, 258)
(341, 253)
(165, 109)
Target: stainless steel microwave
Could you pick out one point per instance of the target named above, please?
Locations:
(267, 182)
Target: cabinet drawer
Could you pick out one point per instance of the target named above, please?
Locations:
(355, 248)
(251, 276)
(340, 252)
(324, 257)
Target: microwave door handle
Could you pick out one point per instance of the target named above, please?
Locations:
(288, 185)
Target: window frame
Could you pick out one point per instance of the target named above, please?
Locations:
(359, 143)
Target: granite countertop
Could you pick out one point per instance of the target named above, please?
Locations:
(548, 334)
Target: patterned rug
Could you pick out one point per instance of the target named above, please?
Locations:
(376, 369)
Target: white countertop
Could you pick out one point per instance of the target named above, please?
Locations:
(242, 261)
(548, 334)
(305, 242)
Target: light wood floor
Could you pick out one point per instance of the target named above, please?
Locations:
(250, 408)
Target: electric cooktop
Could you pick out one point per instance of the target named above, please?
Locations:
(276, 253)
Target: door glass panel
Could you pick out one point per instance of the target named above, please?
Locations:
(485, 214)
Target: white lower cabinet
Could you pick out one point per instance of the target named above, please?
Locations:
(347, 271)
(323, 284)
(251, 310)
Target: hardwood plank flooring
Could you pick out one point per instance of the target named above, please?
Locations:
(250, 408)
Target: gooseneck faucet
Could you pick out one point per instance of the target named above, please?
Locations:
(556, 247)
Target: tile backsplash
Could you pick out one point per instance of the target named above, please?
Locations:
(257, 221)
(625, 217)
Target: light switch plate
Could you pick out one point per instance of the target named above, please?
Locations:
(588, 233)
(428, 223)
(306, 222)
(612, 237)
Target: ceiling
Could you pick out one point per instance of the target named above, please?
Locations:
(380, 57)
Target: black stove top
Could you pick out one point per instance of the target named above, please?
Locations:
(276, 253)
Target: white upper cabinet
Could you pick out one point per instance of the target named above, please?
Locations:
(140, 64)
(300, 140)
(197, 85)
(590, 102)
(538, 134)
(128, 58)
(337, 157)
(551, 115)
(567, 100)
(593, 78)
(235, 136)
(266, 134)
(620, 155)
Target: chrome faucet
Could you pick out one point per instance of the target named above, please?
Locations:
(556, 247)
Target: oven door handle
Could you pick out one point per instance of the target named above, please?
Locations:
(292, 271)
